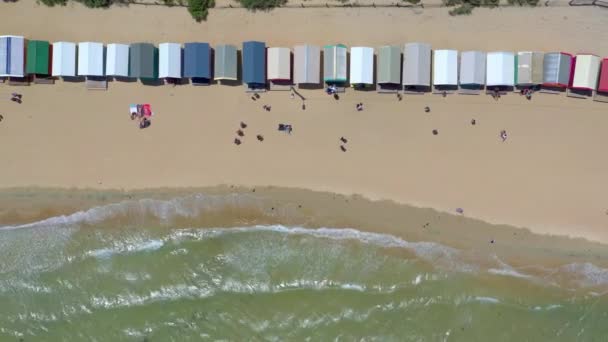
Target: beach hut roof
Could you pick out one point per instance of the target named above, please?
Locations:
(254, 63)
(361, 65)
(586, 72)
(197, 60)
(64, 59)
(557, 67)
(90, 59)
(12, 59)
(603, 82)
(529, 68)
(117, 60)
(389, 65)
(143, 60)
(307, 64)
(169, 60)
(445, 67)
(334, 63)
(37, 58)
(225, 67)
(500, 70)
(279, 63)
(417, 64)
(473, 68)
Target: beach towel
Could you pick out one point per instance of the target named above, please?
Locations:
(147, 110)
(132, 109)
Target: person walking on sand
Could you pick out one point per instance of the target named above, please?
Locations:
(503, 135)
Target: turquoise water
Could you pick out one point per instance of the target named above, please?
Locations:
(129, 272)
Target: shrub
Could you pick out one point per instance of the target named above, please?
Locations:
(464, 9)
(199, 9)
(96, 3)
(451, 3)
(262, 4)
(52, 3)
(413, 2)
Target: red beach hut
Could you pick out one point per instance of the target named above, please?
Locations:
(603, 82)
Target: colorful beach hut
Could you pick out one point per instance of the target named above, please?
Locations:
(602, 84)
(279, 68)
(529, 72)
(334, 64)
(500, 69)
(361, 66)
(307, 64)
(64, 59)
(90, 59)
(170, 61)
(254, 65)
(389, 69)
(197, 63)
(445, 70)
(225, 67)
(557, 68)
(472, 71)
(417, 67)
(586, 73)
(38, 58)
(117, 60)
(12, 56)
(143, 61)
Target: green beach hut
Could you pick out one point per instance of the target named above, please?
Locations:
(38, 58)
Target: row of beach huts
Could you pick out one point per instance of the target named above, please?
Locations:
(414, 68)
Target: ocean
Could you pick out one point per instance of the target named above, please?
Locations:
(154, 270)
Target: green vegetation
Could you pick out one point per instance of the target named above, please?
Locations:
(199, 9)
(262, 4)
(88, 3)
(531, 3)
(52, 3)
(413, 2)
(465, 7)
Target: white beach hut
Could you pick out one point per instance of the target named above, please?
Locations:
(500, 69)
(170, 60)
(445, 68)
(361, 66)
(307, 64)
(279, 64)
(64, 59)
(90, 59)
(12, 56)
(117, 60)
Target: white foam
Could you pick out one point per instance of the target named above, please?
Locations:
(133, 245)
(491, 300)
(507, 272)
(587, 273)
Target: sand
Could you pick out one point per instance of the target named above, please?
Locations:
(548, 176)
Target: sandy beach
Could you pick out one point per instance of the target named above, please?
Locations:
(548, 176)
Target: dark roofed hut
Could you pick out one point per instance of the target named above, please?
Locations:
(143, 61)
(197, 63)
(254, 65)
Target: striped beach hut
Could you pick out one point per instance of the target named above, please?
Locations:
(586, 73)
(90, 59)
(417, 67)
(500, 69)
(388, 70)
(143, 61)
(529, 72)
(445, 69)
(38, 58)
(557, 69)
(254, 65)
(225, 67)
(334, 64)
(117, 60)
(64, 59)
(472, 71)
(12, 56)
(361, 66)
(197, 63)
(307, 64)
(279, 68)
(170, 61)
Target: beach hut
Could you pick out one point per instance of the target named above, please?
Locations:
(334, 64)
(225, 67)
(417, 67)
(361, 66)
(307, 64)
(557, 67)
(197, 63)
(38, 58)
(117, 60)
(170, 61)
(12, 57)
(64, 59)
(602, 84)
(472, 72)
(279, 68)
(586, 70)
(90, 59)
(445, 70)
(389, 69)
(254, 65)
(500, 70)
(143, 61)
(529, 72)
